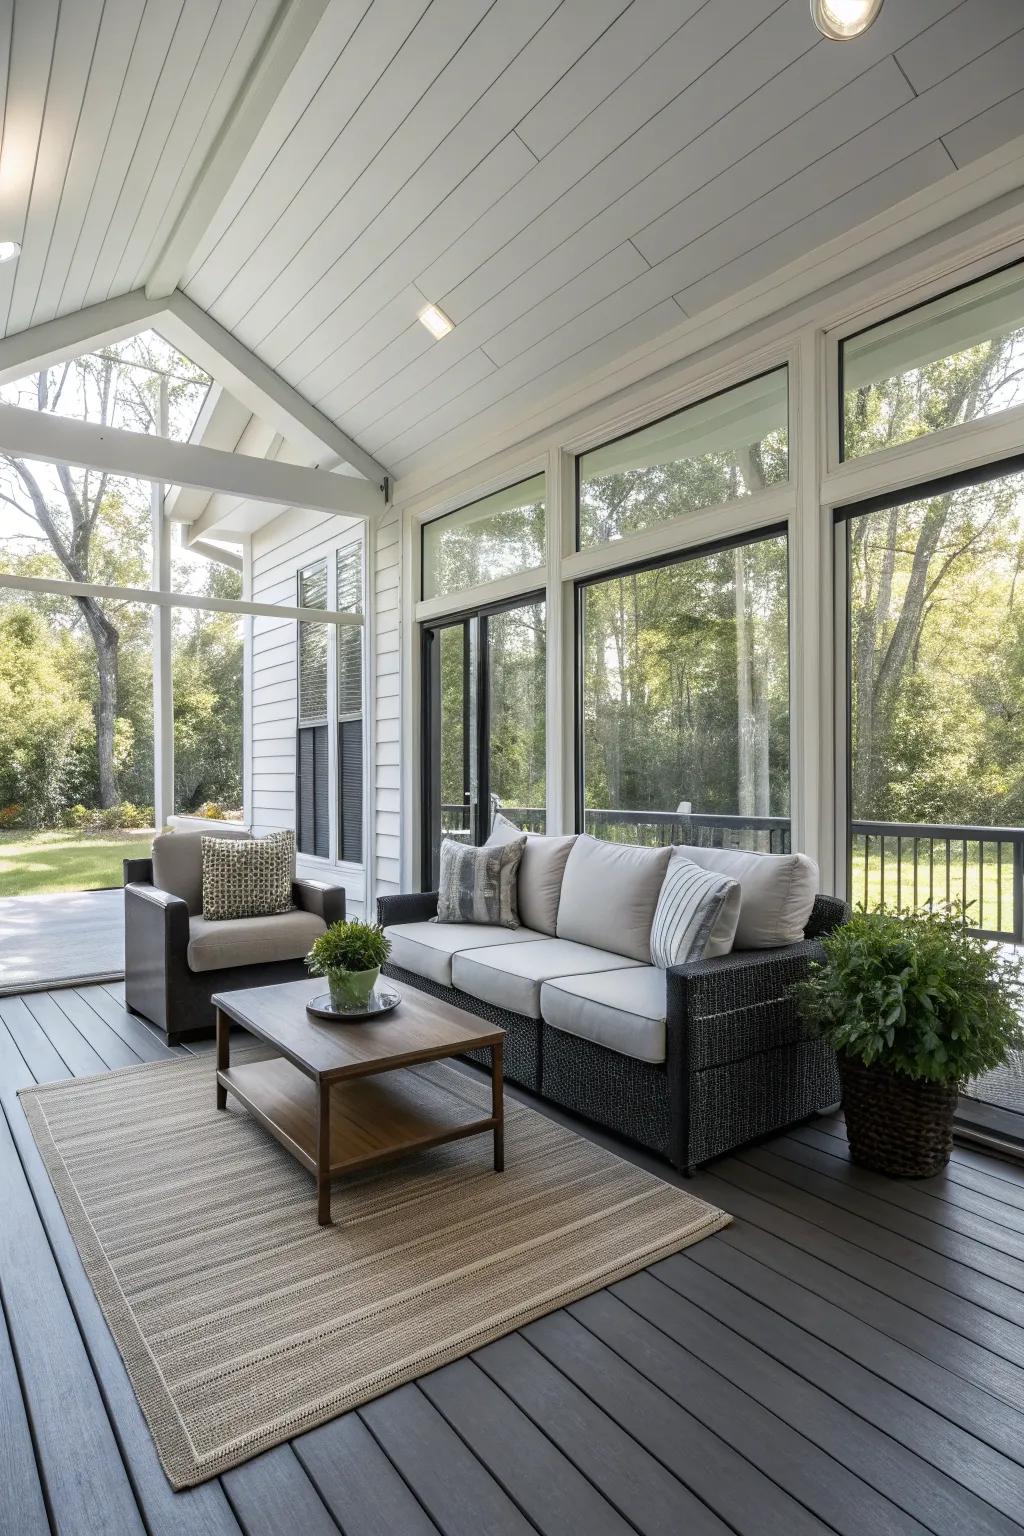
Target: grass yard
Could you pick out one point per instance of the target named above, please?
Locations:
(35, 862)
(980, 880)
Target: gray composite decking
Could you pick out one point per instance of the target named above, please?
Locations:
(848, 1356)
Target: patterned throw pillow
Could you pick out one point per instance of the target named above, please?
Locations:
(478, 885)
(696, 915)
(247, 877)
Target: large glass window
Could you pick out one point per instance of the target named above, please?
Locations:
(207, 675)
(953, 360)
(349, 641)
(312, 812)
(485, 690)
(684, 715)
(499, 535)
(732, 445)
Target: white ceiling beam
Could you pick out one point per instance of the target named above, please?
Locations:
(290, 31)
(216, 553)
(61, 440)
(101, 325)
(267, 395)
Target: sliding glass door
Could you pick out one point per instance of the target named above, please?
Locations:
(484, 725)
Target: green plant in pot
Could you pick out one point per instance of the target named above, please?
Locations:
(915, 1006)
(349, 955)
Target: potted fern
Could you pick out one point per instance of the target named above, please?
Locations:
(915, 1007)
(350, 955)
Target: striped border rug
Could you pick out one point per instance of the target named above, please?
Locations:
(243, 1323)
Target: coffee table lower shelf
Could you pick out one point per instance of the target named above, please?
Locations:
(370, 1120)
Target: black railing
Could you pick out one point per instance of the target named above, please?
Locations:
(901, 864)
(759, 834)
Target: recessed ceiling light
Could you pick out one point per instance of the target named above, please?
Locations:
(9, 249)
(843, 19)
(436, 321)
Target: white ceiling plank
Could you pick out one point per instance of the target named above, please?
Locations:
(293, 25)
(368, 286)
(31, 53)
(73, 54)
(605, 277)
(629, 42)
(394, 55)
(882, 191)
(148, 62)
(970, 30)
(118, 33)
(472, 106)
(41, 346)
(232, 44)
(986, 131)
(250, 380)
(868, 99)
(63, 440)
(175, 72)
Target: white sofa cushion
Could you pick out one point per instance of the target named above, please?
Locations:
(540, 873)
(696, 915)
(777, 892)
(230, 941)
(512, 977)
(427, 948)
(622, 1010)
(609, 895)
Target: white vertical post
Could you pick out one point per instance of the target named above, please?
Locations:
(162, 620)
(558, 493)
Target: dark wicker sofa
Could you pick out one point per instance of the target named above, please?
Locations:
(739, 1061)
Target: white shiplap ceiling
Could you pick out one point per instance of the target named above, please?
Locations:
(566, 180)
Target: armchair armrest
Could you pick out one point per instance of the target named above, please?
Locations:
(137, 871)
(327, 901)
(417, 907)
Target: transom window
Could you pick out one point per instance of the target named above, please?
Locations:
(500, 535)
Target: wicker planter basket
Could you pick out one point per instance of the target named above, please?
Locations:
(897, 1125)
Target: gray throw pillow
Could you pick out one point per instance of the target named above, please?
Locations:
(247, 878)
(696, 915)
(478, 885)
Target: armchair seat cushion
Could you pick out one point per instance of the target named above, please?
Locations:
(427, 949)
(217, 946)
(511, 978)
(622, 1010)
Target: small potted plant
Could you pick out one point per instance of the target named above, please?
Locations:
(349, 955)
(915, 1007)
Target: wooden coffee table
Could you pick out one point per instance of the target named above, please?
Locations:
(334, 1097)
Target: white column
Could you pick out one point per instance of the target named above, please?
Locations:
(163, 691)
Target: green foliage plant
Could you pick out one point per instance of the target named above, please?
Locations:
(349, 946)
(916, 993)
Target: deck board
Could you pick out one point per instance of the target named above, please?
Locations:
(847, 1356)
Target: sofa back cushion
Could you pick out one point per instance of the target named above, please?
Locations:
(777, 892)
(609, 895)
(696, 915)
(540, 873)
(178, 862)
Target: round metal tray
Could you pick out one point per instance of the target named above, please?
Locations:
(382, 1000)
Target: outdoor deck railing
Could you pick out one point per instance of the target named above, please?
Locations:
(916, 864)
(759, 834)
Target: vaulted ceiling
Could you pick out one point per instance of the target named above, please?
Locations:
(566, 180)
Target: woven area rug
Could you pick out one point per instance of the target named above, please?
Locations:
(242, 1323)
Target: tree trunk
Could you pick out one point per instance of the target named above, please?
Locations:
(105, 638)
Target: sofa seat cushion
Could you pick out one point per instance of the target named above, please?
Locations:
(427, 949)
(777, 892)
(609, 895)
(512, 977)
(215, 946)
(622, 1010)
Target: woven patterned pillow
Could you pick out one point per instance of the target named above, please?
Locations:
(247, 877)
(696, 915)
(478, 885)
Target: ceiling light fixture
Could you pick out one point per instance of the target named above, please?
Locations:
(843, 19)
(436, 321)
(9, 249)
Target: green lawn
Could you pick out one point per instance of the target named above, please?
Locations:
(35, 862)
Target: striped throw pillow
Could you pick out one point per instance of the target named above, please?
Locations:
(696, 915)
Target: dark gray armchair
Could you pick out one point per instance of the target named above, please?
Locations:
(175, 960)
